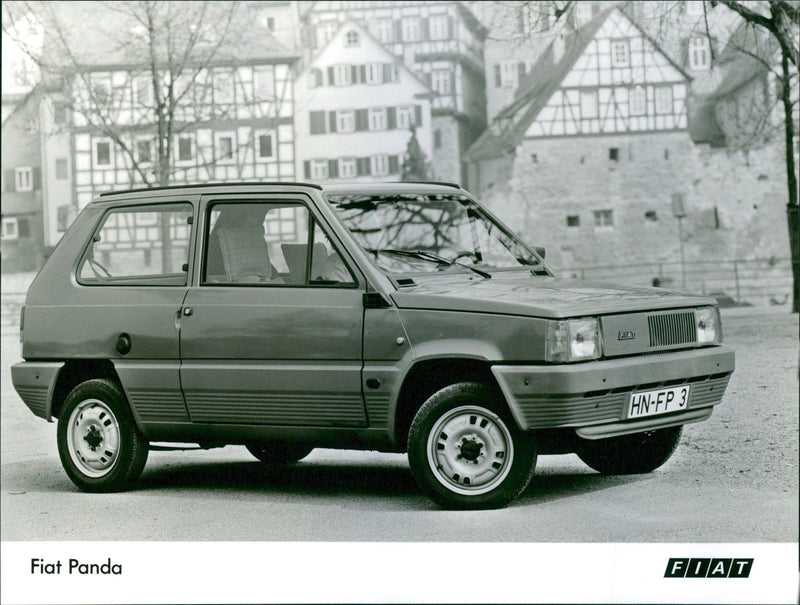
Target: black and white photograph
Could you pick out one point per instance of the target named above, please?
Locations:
(419, 301)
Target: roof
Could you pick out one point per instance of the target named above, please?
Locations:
(745, 57)
(117, 32)
(533, 93)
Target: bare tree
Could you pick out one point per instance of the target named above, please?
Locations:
(161, 53)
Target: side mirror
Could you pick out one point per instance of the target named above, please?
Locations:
(540, 251)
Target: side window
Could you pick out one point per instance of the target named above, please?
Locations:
(146, 245)
(267, 243)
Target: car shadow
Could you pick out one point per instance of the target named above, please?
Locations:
(556, 486)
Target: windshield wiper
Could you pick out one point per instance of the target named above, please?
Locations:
(430, 256)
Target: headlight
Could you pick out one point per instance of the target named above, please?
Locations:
(573, 340)
(707, 324)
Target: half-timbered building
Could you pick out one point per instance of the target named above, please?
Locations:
(441, 42)
(359, 107)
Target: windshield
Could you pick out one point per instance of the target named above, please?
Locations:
(423, 233)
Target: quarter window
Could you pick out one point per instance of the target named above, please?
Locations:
(147, 245)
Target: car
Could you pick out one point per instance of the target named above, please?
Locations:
(393, 317)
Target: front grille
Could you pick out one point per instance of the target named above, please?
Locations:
(667, 329)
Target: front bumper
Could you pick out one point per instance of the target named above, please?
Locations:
(592, 397)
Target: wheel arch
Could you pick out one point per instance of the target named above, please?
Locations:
(76, 371)
(426, 377)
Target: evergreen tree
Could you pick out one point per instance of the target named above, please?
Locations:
(415, 164)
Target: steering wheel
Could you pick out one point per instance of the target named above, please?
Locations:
(465, 254)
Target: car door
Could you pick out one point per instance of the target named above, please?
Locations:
(271, 332)
(134, 275)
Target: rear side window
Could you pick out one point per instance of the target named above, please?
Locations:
(145, 245)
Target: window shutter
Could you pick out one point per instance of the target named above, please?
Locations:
(429, 79)
(424, 31)
(449, 28)
(394, 164)
(307, 169)
(333, 168)
(332, 121)
(317, 122)
(331, 81)
(685, 52)
(398, 30)
(362, 167)
(391, 118)
(387, 72)
(354, 73)
(521, 72)
(418, 115)
(37, 178)
(453, 83)
(10, 179)
(497, 81)
(362, 121)
(23, 227)
(363, 73)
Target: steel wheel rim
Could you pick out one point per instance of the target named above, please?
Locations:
(93, 438)
(470, 450)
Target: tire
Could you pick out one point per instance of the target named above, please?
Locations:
(466, 452)
(278, 452)
(630, 454)
(100, 447)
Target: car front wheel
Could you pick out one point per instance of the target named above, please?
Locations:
(466, 452)
(100, 447)
(630, 454)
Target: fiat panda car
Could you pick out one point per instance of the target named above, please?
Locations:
(389, 317)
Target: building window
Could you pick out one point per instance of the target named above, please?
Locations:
(374, 73)
(10, 228)
(664, 99)
(102, 153)
(347, 168)
(60, 113)
(377, 119)
(264, 84)
(651, 216)
(341, 75)
(386, 30)
(440, 81)
(61, 169)
(573, 220)
(223, 87)
(265, 148)
(439, 27)
(325, 32)
(379, 165)
(185, 149)
(224, 147)
(270, 23)
(345, 120)
(142, 91)
(405, 117)
(410, 29)
(620, 53)
(613, 153)
(319, 169)
(351, 39)
(603, 218)
(23, 178)
(144, 151)
(509, 74)
(638, 101)
(589, 104)
(437, 139)
(699, 53)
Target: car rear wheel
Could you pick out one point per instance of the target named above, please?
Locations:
(100, 447)
(631, 454)
(278, 452)
(466, 452)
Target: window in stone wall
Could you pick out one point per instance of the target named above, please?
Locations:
(603, 219)
(573, 220)
(613, 153)
(651, 216)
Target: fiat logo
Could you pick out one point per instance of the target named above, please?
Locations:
(626, 335)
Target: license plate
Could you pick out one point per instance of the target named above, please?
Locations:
(659, 401)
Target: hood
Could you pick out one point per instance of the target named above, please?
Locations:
(521, 293)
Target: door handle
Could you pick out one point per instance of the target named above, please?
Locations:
(187, 311)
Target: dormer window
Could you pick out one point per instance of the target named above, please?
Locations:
(351, 39)
(699, 53)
